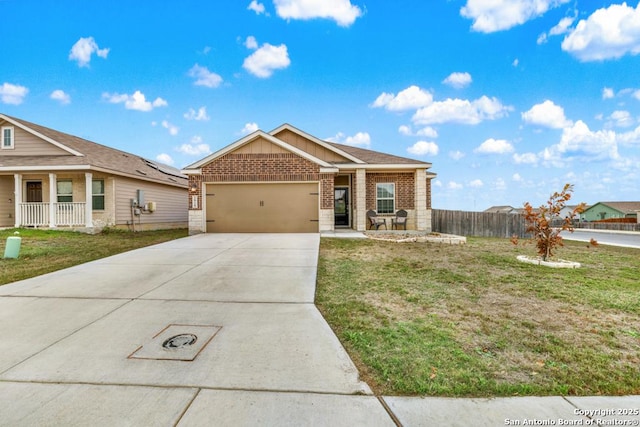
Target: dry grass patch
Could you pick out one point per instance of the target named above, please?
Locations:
(421, 318)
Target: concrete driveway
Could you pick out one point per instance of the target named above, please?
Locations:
(85, 345)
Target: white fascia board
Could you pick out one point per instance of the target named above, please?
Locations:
(317, 141)
(191, 171)
(329, 170)
(41, 136)
(43, 168)
(252, 136)
(412, 166)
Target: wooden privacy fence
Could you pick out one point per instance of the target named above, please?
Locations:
(478, 224)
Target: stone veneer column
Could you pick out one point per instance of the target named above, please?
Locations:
(361, 200)
(421, 200)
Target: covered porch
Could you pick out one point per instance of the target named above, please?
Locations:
(50, 200)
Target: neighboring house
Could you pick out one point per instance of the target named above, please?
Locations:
(289, 181)
(52, 179)
(567, 210)
(607, 210)
(502, 209)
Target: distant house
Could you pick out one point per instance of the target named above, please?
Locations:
(502, 209)
(53, 179)
(287, 180)
(607, 210)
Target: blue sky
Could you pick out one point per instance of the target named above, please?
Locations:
(509, 99)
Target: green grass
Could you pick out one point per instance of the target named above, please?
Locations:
(431, 319)
(44, 251)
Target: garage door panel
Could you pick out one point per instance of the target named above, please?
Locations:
(268, 208)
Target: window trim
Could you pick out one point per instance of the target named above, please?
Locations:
(58, 194)
(393, 199)
(12, 138)
(93, 205)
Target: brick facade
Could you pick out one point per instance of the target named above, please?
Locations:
(275, 167)
(405, 188)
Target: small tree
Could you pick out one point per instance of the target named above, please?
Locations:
(541, 222)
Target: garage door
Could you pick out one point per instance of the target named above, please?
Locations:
(262, 208)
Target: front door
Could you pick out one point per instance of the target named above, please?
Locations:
(341, 206)
(34, 192)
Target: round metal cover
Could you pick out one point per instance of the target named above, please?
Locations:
(179, 341)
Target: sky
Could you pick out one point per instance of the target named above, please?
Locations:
(508, 99)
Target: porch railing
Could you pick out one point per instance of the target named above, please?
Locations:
(66, 214)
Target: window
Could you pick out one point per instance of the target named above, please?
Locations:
(65, 191)
(385, 198)
(97, 191)
(7, 138)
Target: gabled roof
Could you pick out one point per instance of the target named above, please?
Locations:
(358, 157)
(87, 155)
(501, 209)
(623, 207)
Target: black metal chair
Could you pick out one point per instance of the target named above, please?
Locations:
(375, 220)
(399, 220)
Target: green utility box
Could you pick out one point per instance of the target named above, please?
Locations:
(12, 250)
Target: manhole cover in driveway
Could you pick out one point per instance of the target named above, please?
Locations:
(177, 342)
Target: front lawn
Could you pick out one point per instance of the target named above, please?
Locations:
(44, 251)
(442, 320)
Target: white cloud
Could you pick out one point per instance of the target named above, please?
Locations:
(495, 15)
(546, 114)
(256, 6)
(516, 177)
(452, 185)
(251, 43)
(515, 62)
(476, 183)
(424, 148)
(204, 77)
(360, 139)
(341, 11)
(458, 80)
(494, 146)
(136, 101)
(607, 34)
(264, 61)
(82, 50)
(525, 158)
(499, 184)
(456, 155)
(621, 118)
(173, 129)
(12, 94)
(200, 115)
(61, 96)
(249, 128)
(195, 148)
(461, 111)
(607, 93)
(408, 99)
(636, 94)
(426, 131)
(561, 28)
(578, 141)
(164, 158)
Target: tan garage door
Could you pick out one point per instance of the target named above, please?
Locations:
(262, 208)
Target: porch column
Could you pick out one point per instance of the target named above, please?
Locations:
(421, 199)
(17, 199)
(88, 197)
(361, 200)
(53, 198)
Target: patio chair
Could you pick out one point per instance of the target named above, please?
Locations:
(399, 220)
(375, 220)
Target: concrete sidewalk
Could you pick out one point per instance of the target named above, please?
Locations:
(243, 345)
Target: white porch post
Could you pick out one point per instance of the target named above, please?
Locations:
(361, 199)
(53, 197)
(88, 209)
(17, 199)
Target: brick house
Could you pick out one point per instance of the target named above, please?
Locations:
(289, 181)
(52, 179)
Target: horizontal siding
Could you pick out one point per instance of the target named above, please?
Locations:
(260, 146)
(310, 147)
(26, 144)
(171, 202)
(7, 208)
